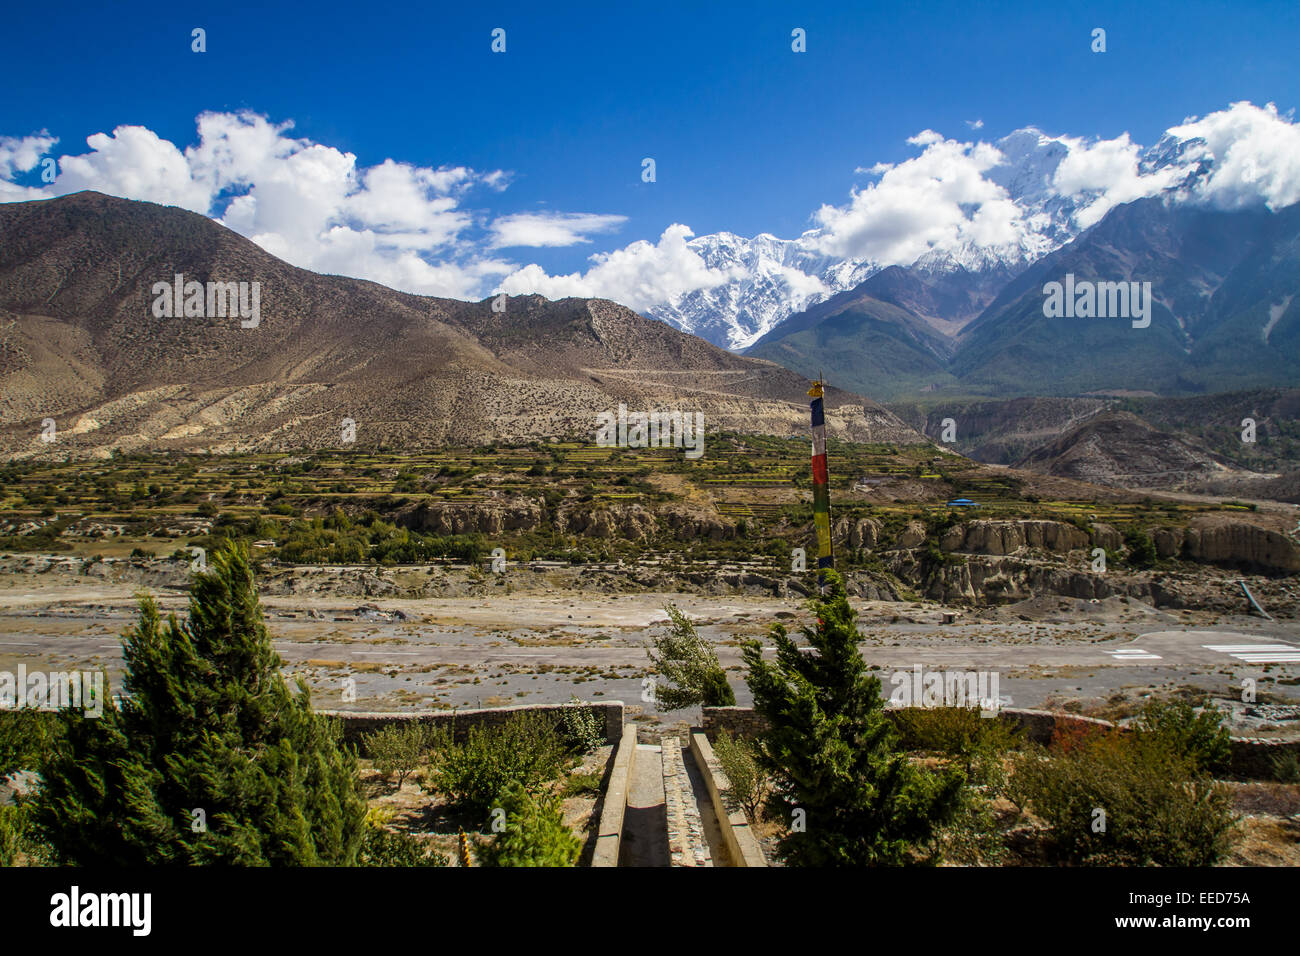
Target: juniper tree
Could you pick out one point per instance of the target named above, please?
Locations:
(834, 754)
(535, 833)
(212, 758)
(690, 666)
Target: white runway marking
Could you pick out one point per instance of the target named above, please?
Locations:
(1133, 654)
(1259, 653)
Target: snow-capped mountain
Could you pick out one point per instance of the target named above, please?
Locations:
(774, 278)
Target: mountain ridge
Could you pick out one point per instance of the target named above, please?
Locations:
(1225, 315)
(81, 345)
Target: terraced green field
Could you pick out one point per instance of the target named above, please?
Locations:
(745, 497)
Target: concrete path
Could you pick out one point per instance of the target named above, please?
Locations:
(645, 822)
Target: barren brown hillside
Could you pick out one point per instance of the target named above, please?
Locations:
(79, 344)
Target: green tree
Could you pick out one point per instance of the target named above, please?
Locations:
(526, 750)
(212, 758)
(690, 666)
(27, 738)
(835, 756)
(534, 834)
(399, 749)
(1141, 549)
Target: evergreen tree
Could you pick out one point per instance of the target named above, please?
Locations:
(691, 667)
(212, 758)
(534, 834)
(834, 754)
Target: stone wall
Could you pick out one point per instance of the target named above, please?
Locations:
(1251, 757)
(356, 724)
(737, 721)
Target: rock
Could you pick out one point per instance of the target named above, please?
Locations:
(988, 536)
(1226, 541)
(913, 535)
(859, 533)
(1106, 536)
(1168, 541)
(490, 518)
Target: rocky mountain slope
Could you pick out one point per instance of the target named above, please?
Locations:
(80, 344)
(1117, 448)
(1224, 315)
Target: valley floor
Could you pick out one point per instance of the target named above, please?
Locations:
(544, 646)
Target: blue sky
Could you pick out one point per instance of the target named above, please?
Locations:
(747, 135)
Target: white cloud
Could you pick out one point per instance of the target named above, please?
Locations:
(1108, 171)
(945, 200)
(1255, 155)
(135, 163)
(550, 228)
(640, 275)
(938, 201)
(21, 154)
(307, 203)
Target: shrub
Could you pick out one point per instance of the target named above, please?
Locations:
(1286, 767)
(979, 746)
(577, 784)
(581, 728)
(1201, 738)
(534, 834)
(1126, 799)
(956, 731)
(381, 846)
(527, 751)
(747, 779)
(399, 749)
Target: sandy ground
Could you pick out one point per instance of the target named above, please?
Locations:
(541, 647)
